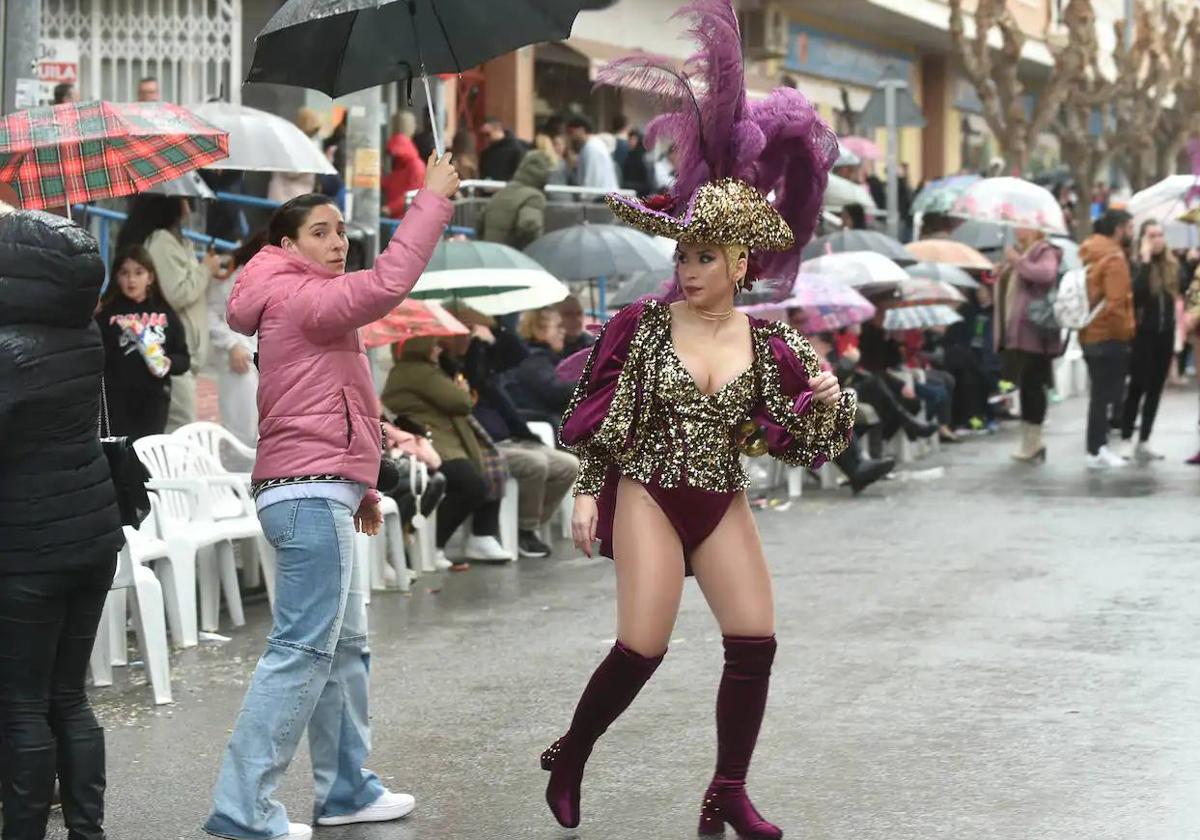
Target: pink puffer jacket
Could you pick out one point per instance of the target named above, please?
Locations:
(316, 399)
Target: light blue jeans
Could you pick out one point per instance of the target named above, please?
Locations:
(314, 673)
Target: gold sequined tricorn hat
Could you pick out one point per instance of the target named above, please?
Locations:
(723, 212)
(731, 153)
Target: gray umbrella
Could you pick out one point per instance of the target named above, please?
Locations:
(187, 185)
(984, 236)
(585, 251)
(637, 286)
(858, 240)
(943, 273)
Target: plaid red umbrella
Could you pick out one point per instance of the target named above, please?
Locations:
(83, 151)
(412, 319)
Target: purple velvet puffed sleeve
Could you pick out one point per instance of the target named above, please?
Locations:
(591, 410)
(799, 430)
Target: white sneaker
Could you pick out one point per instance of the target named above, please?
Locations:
(1143, 454)
(1105, 459)
(440, 561)
(487, 549)
(389, 806)
(1126, 450)
(299, 831)
(1113, 459)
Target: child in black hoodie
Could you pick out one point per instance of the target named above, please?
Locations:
(144, 344)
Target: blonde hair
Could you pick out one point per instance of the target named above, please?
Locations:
(533, 321)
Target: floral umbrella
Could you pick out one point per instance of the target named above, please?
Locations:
(412, 319)
(58, 155)
(1011, 202)
(826, 303)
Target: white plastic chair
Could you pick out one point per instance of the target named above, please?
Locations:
(149, 620)
(187, 525)
(209, 437)
(545, 433)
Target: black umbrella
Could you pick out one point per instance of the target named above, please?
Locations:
(858, 240)
(341, 46)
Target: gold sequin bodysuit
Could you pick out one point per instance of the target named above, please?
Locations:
(656, 426)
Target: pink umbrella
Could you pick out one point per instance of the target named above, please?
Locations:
(861, 146)
(826, 303)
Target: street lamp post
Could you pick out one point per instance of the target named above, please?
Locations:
(22, 30)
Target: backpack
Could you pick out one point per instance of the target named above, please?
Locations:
(1067, 306)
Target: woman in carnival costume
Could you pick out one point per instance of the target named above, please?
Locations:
(678, 386)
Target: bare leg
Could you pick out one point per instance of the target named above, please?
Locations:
(649, 562)
(732, 572)
(733, 575)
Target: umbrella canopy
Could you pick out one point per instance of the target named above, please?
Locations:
(187, 185)
(939, 196)
(864, 270)
(350, 45)
(636, 286)
(842, 191)
(1013, 202)
(412, 319)
(1165, 201)
(498, 279)
(262, 142)
(846, 158)
(920, 317)
(858, 240)
(826, 303)
(921, 291)
(59, 155)
(984, 236)
(585, 251)
(942, 273)
(949, 252)
(861, 146)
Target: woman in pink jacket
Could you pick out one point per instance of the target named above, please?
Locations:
(318, 458)
(1029, 272)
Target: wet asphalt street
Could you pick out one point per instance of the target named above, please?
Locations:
(1001, 653)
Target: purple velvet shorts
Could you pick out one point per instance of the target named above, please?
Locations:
(692, 512)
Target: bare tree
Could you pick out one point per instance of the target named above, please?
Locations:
(994, 75)
(1181, 121)
(1145, 82)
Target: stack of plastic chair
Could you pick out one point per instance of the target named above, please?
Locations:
(199, 546)
(210, 438)
(142, 546)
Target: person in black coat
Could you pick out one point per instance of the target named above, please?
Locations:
(534, 384)
(60, 528)
(144, 344)
(503, 153)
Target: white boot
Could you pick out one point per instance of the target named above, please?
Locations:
(1031, 449)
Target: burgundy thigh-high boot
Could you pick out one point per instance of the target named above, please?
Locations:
(741, 701)
(609, 692)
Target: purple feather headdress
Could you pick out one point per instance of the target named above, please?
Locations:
(779, 145)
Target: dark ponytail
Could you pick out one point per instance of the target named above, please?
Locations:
(287, 220)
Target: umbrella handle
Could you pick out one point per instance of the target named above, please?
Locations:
(433, 126)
